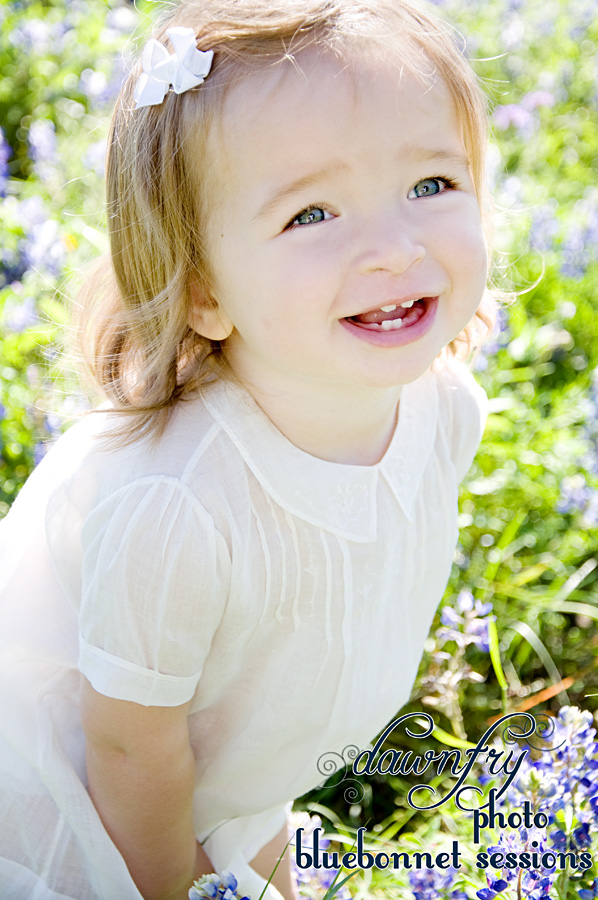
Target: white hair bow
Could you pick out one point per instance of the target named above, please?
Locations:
(184, 69)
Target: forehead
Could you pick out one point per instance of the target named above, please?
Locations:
(316, 111)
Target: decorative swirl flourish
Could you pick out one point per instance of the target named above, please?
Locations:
(514, 733)
(354, 792)
(545, 729)
(330, 763)
(327, 764)
(350, 753)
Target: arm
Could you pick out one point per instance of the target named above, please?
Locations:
(141, 776)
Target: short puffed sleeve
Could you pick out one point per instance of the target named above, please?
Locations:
(465, 408)
(155, 575)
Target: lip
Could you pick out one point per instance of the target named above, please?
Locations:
(395, 338)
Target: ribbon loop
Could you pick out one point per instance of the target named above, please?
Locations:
(182, 70)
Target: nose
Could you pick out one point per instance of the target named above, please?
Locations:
(389, 244)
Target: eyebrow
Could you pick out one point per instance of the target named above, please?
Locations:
(428, 154)
(289, 190)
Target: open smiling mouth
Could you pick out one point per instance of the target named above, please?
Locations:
(393, 316)
(395, 323)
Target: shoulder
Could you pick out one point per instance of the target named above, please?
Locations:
(463, 407)
(86, 478)
(91, 461)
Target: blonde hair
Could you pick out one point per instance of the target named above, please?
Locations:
(134, 326)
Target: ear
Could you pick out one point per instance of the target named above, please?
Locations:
(206, 317)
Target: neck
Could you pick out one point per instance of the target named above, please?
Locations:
(353, 428)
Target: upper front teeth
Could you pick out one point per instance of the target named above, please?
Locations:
(393, 306)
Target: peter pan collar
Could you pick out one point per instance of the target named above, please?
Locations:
(334, 496)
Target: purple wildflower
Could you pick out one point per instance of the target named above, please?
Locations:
(580, 245)
(499, 338)
(579, 840)
(535, 884)
(44, 249)
(33, 36)
(42, 141)
(19, 316)
(565, 776)
(96, 156)
(544, 227)
(39, 451)
(574, 494)
(215, 887)
(5, 154)
(514, 115)
(537, 98)
(431, 884)
(469, 627)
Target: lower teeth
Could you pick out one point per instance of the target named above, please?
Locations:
(391, 324)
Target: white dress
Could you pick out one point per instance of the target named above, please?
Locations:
(288, 596)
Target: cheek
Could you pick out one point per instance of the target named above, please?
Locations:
(302, 274)
(465, 250)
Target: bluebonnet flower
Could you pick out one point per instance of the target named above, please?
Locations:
(544, 227)
(31, 212)
(43, 248)
(95, 157)
(590, 427)
(591, 893)
(534, 883)
(514, 115)
(495, 887)
(584, 16)
(215, 887)
(433, 884)
(19, 316)
(520, 115)
(94, 84)
(471, 627)
(575, 494)
(101, 88)
(534, 99)
(39, 451)
(5, 154)
(565, 776)
(580, 245)
(37, 37)
(499, 337)
(42, 147)
(579, 839)
(32, 35)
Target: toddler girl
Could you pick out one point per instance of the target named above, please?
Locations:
(231, 568)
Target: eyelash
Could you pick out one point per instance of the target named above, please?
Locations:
(450, 184)
(291, 224)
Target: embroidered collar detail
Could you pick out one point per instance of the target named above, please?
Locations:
(338, 497)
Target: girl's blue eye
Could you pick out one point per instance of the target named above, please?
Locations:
(310, 216)
(427, 187)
